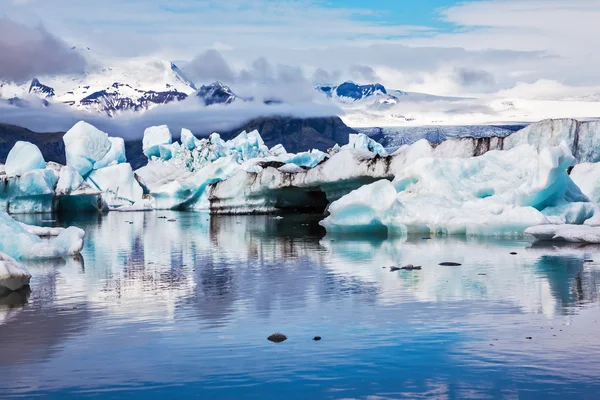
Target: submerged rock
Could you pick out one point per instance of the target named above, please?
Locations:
(450, 264)
(317, 338)
(277, 338)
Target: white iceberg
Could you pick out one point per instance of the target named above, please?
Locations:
(363, 142)
(499, 193)
(84, 146)
(587, 177)
(13, 275)
(566, 233)
(24, 157)
(19, 243)
(308, 159)
(116, 154)
(154, 136)
(188, 139)
(117, 184)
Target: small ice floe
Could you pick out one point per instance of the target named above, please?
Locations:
(13, 275)
(566, 233)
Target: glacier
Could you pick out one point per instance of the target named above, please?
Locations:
(498, 193)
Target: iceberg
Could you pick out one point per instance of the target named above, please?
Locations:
(566, 233)
(117, 184)
(498, 193)
(24, 157)
(188, 140)
(13, 275)
(18, 242)
(84, 146)
(115, 155)
(363, 142)
(587, 177)
(31, 192)
(154, 136)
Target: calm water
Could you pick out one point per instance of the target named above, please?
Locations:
(160, 309)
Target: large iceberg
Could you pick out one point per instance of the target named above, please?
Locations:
(24, 157)
(499, 193)
(115, 155)
(17, 241)
(84, 146)
(154, 137)
(13, 275)
(118, 185)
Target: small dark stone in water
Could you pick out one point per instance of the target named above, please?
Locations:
(411, 267)
(450, 264)
(317, 338)
(481, 274)
(277, 338)
(528, 338)
(394, 269)
(589, 261)
(171, 220)
(427, 238)
(513, 254)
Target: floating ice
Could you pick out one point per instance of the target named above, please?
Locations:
(188, 140)
(30, 192)
(24, 157)
(499, 193)
(116, 154)
(13, 275)
(587, 177)
(84, 146)
(566, 233)
(154, 136)
(308, 159)
(118, 185)
(19, 243)
(69, 181)
(363, 142)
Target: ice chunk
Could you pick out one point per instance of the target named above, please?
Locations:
(188, 140)
(118, 185)
(30, 192)
(499, 193)
(308, 159)
(278, 150)
(18, 243)
(13, 275)
(566, 233)
(84, 146)
(587, 177)
(291, 169)
(24, 157)
(154, 136)
(168, 151)
(69, 180)
(361, 141)
(42, 231)
(116, 154)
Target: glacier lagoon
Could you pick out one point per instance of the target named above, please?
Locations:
(176, 305)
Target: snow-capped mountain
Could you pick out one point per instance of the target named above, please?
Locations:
(111, 87)
(216, 93)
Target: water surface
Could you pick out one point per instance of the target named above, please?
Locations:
(181, 309)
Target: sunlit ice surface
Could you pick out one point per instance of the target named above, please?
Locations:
(180, 305)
